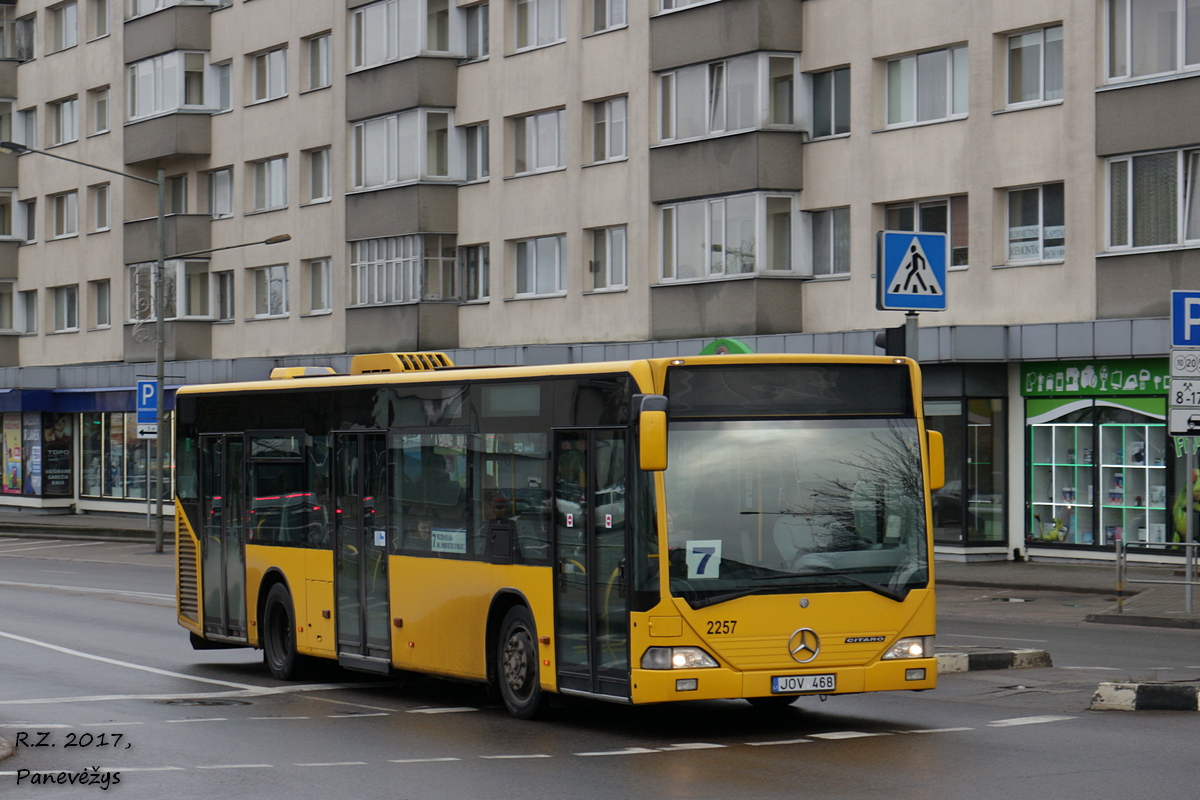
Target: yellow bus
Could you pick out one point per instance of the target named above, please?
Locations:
(730, 526)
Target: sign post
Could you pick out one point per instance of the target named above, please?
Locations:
(147, 409)
(1183, 404)
(910, 275)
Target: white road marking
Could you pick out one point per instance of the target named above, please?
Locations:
(994, 638)
(63, 571)
(207, 719)
(278, 717)
(235, 766)
(32, 725)
(106, 724)
(455, 710)
(845, 735)
(142, 769)
(939, 730)
(88, 590)
(259, 691)
(1008, 723)
(692, 746)
(127, 664)
(49, 547)
(779, 742)
(530, 755)
(355, 716)
(333, 764)
(628, 751)
(419, 760)
(1107, 669)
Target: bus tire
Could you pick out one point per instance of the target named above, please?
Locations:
(279, 635)
(517, 665)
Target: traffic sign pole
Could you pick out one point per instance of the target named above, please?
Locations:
(910, 336)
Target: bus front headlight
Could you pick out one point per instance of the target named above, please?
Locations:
(911, 647)
(676, 658)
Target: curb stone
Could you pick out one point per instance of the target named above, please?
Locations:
(1146, 697)
(992, 659)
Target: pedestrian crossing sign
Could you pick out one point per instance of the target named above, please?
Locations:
(911, 271)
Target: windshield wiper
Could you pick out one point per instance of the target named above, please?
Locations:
(879, 589)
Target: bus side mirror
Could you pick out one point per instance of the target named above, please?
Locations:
(652, 432)
(937, 460)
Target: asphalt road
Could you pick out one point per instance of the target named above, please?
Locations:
(90, 652)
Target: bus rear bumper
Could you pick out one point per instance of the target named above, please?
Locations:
(657, 686)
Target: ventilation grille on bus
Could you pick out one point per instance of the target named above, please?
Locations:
(398, 362)
(189, 591)
(280, 373)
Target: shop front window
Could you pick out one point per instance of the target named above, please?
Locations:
(115, 463)
(969, 508)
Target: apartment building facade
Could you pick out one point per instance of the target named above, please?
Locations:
(541, 180)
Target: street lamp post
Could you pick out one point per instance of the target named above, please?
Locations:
(159, 307)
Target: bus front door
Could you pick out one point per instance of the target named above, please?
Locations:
(223, 537)
(360, 551)
(591, 613)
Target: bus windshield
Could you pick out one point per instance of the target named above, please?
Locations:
(774, 506)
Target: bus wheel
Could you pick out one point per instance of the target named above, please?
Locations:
(517, 665)
(279, 635)
(772, 703)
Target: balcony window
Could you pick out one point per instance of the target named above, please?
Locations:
(401, 148)
(1151, 37)
(737, 94)
(396, 29)
(1153, 200)
(724, 236)
(402, 269)
(170, 82)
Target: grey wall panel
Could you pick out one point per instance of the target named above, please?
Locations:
(727, 164)
(174, 28)
(1151, 337)
(716, 30)
(8, 78)
(9, 355)
(725, 308)
(1075, 340)
(1140, 284)
(401, 210)
(182, 341)
(1039, 342)
(184, 233)
(1148, 117)
(421, 81)
(8, 259)
(402, 328)
(979, 343)
(1113, 338)
(178, 134)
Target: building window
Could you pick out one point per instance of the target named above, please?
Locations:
(1153, 199)
(608, 129)
(7, 211)
(17, 37)
(1035, 67)
(8, 307)
(926, 87)
(940, 215)
(176, 200)
(167, 83)
(98, 103)
(743, 93)
(65, 208)
(196, 294)
(396, 29)
(474, 272)
(538, 23)
(478, 36)
(101, 214)
(831, 102)
(26, 127)
(64, 27)
(98, 18)
(270, 291)
(29, 312)
(187, 290)
(539, 142)
(1036, 229)
(100, 294)
(270, 184)
(319, 51)
(318, 175)
(540, 266)
(478, 151)
(269, 75)
(27, 220)
(114, 462)
(671, 5)
(64, 121)
(1151, 37)
(398, 148)
(66, 308)
(402, 269)
(831, 241)
(607, 266)
(724, 236)
(320, 286)
(224, 281)
(223, 78)
(607, 15)
(220, 192)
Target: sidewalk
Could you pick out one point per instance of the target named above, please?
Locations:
(1152, 605)
(109, 527)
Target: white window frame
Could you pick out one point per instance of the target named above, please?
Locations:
(610, 130)
(101, 110)
(66, 308)
(477, 152)
(950, 201)
(477, 35)
(27, 308)
(535, 134)
(537, 23)
(392, 30)
(319, 174)
(64, 26)
(715, 227)
(25, 129)
(186, 284)
(270, 291)
(1185, 197)
(64, 211)
(609, 263)
(64, 121)
(839, 106)
(385, 271)
(269, 75)
(219, 185)
(538, 266)
(397, 148)
(319, 54)
(25, 223)
(1119, 32)
(158, 85)
(98, 21)
(957, 86)
(712, 80)
(1042, 37)
(608, 15)
(1027, 244)
(100, 297)
(269, 184)
(223, 311)
(8, 306)
(320, 285)
(100, 198)
(667, 6)
(830, 230)
(474, 272)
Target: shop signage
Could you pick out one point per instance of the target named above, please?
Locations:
(1095, 378)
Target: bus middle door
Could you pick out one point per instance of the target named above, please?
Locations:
(222, 537)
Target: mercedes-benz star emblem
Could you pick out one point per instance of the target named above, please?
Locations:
(804, 645)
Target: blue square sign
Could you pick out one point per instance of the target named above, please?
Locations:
(911, 271)
(147, 402)
(1185, 318)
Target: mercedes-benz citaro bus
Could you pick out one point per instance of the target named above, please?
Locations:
(730, 526)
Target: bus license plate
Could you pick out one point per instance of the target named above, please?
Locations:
(789, 684)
